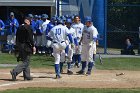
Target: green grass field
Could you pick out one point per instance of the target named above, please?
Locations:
(48, 62)
(43, 61)
(71, 90)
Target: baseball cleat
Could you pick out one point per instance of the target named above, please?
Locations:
(13, 76)
(77, 65)
(28, 79)
(81, 72)
(69, 72)
(58, 77)
(61, 71)
(88, 73)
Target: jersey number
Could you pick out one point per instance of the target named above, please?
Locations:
(58, 31)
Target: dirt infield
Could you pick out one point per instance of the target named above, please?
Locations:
(98, 79)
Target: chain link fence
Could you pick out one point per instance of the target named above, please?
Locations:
(122, 22)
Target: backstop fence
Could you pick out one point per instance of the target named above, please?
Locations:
(115, 21)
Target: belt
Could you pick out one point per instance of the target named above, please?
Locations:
(57, 42)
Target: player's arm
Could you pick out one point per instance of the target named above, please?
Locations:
(95, 34)
(49, 36)
(81, 39)
(75, 39)
(70, 37)
(2, 24)
(16, 24)
(83, 29)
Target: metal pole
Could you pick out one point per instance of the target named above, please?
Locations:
(139, 42)
(58, 7)
(105, 28)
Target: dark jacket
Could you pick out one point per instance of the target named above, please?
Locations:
(24, 38)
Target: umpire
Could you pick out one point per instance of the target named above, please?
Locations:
(25, 46)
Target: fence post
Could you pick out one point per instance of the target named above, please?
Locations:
(139, 42)
(105, 28)
(58, 6)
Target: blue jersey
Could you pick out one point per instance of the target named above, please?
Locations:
(38, 27)
(2, 26)
(13, 25)
(49, 27)
(33, 24)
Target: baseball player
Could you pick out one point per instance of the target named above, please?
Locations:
(78, 26)
(68, 53)
(44, 27)
(89, 37)
(11, 37)
(38, 28)
(58, 35)
(32, 23)
(50, 25)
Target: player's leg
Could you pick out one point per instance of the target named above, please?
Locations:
(9, 42)
(48, 47)
(74, 56)
(84, 61)
(56, 54)
(38, 44)
(63, 48)
(13, 41)
(90, 60)
(79, 56)
(44, 41)
(94, 52)
(57, 49)
(70, 54)
(62, 60)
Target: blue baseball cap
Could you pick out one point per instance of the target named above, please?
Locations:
(88, 19)
(35, 16)
(63, 18)
(39, 16)
(69, 20)
(60, 21)
(11, 14)
(45, 16)
(30, 15)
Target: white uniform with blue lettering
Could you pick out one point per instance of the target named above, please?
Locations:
(58, 34)
(88, 43)
(78, 30)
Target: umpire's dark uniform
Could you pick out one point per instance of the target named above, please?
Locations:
(24, 43)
